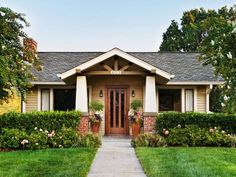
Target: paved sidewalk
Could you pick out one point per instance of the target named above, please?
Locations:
(116, 158)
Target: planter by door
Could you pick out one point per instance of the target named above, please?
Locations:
(135, 130)
(95, 127)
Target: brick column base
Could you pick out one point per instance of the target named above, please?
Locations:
(149, 122)
(83, 125)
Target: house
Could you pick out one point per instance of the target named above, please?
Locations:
(161, 81)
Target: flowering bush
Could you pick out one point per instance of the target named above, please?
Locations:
(148, 140)
(170, 120)
(192, 135)
(42, 139)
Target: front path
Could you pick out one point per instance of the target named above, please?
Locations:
(116, 158)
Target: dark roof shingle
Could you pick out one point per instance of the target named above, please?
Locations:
(184, 66)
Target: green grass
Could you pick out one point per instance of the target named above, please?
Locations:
(44, 163)
(188, 162)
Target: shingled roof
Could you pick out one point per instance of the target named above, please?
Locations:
(184, 66)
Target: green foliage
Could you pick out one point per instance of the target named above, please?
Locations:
(96, 106)
(216, 100)
(41, 120)
(135, 105)
(38, 139)
(171, 38)
(192, 135)
(15, 59)
(219, 49)
(189, 36)
(148, 140)
(88, 140)
(11, 138)
(170, 120)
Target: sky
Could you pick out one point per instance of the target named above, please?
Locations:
(100, 25)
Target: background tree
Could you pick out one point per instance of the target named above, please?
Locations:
(15, 58)
(212, 33)
(171, 38)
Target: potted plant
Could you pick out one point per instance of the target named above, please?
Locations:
(135, 117)
(95, 116)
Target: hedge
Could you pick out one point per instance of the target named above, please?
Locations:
(226, 122)
(42, 120)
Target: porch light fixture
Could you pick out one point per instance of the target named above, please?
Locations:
(100, 93)
(133, 93)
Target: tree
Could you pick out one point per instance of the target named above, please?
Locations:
(190, 33)
(171, 38)
(16, 59)
(218, 48)
(213, 34)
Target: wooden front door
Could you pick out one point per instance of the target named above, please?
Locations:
(117, 110)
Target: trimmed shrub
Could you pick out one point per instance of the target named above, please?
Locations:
(42, 120)
(170, 120)
(148, 140)
(192, 135)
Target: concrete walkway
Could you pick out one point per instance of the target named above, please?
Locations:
(116, 158)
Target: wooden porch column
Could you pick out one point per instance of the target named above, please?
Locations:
(150, 110)
(81, 103)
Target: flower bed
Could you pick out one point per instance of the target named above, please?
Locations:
(41, 130)
(170, 120)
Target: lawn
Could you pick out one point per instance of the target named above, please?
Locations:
(188, 162)
(50, 162)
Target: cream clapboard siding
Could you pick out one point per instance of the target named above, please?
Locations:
(201, 99)
(32, 100)
(99, 83)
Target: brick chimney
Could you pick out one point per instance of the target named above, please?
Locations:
(31, 48)
(30, 44)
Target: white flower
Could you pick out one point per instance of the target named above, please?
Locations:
(229, 55)
(226, 98)
(60, 146)
(179, 126)
(222, 104)
(211, 130)
(222, 131)
(215, 128)
(40, 130)
(36, 144)
(166, 132)
(45, 131)
(24, 142)
(212, 42)
(35, 128)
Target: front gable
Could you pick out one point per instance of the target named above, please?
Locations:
(114, 69)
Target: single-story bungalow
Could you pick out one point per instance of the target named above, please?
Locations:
(168, 81)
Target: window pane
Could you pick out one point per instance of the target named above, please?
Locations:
(111, 108)
(117, 108)
(45, 100)
(122, 108)
(188, 100)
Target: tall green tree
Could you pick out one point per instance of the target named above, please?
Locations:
(171, 38)
(15, 58)
(190, 33)
(218, 48)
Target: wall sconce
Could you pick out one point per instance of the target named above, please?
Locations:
(133, 93)
(101, 93)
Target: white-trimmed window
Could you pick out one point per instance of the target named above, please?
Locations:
(189, 100)
(45, 99)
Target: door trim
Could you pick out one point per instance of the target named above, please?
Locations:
(107, 121)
